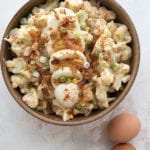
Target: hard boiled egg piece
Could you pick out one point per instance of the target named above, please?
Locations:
(67, 94)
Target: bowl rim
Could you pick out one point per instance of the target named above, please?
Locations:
(92, 118)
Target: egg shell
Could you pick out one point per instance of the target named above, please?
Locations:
(123, 127)
(124, 147)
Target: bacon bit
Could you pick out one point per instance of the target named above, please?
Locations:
(56, 15)
(41, 44)
(42, 41)
(34, 55)
(55, 62)
(48, 91)
(44, 75)
(74, 70)
(67, 96)
(68, 21)
(54, 34)
(27, 67)
(56, 81)
(45, 92)
(87, 94)
(73, 44)
(42, 71)
(50, 109)
(46, 78)
(88, 72)
(81, 83)
(34, 46)
(88, 56)
(34, 35)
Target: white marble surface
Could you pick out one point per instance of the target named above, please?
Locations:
(20, 131)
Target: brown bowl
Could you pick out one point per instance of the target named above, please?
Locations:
(6, 55)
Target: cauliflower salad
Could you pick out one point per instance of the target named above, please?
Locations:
(70, 58)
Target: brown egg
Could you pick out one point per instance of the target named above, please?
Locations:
(123, 127)
(124, 147)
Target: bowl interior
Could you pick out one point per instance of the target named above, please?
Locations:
(6, 55)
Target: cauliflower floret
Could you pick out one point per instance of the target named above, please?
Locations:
(57, 107)
(117, 82)
(18, 66)
(97, 26)
(126, 53)
(87, 94)
(91, 10)
(107, 77)
(122, 52)
(21, 39)
(74, 5)
(121, 76)
(83, 108)
(61, 111)
(112, 27)
(124, 69)
(107, 32)
(39, 20)
(50, 4)
(101, 94)
(106, 14)
(25, 90)
(88, 38)
(67, 116)
(104, 44)
(31, 98)
(122, 34)
(19, 81)
(102, 64)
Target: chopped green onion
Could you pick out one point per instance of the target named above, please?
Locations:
(63, 29)
(77, 36)
(68, 79)
(115, 67)
(62, 79)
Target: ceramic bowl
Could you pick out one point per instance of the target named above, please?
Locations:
(97, 114)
